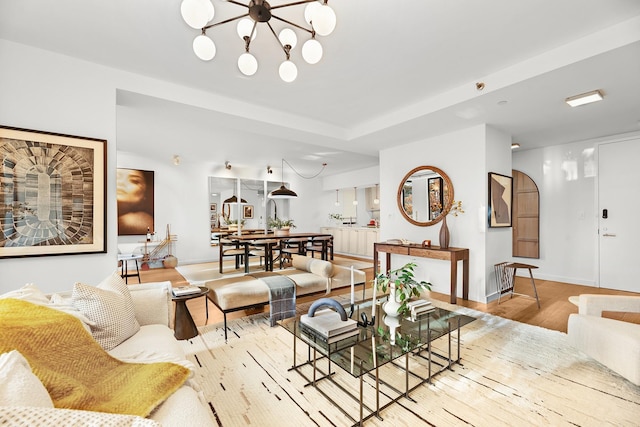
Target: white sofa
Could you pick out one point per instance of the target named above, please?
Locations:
(153, 342)
(614, 343)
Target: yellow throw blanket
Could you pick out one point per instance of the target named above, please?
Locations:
(73, 367)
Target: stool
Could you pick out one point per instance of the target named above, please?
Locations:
(505, 278)
(124, 272)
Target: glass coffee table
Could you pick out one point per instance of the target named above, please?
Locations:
(379, 346)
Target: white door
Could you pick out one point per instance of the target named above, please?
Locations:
(619, 214)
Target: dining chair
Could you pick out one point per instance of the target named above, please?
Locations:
(290, 247)
(319, 244)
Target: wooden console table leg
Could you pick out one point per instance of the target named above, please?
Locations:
(465, 279)
(454, 281)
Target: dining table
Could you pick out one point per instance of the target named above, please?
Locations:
(247, 239)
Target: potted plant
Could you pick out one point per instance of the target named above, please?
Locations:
(233, 223)
(280, 226)
(336, 217)
(402, 285)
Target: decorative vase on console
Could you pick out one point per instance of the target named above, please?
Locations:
(456, 209)
(444, 234)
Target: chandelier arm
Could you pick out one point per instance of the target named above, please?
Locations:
(237, 3)
(286, 52)
(324, 165)
(295, 3)
(293, 24)
(225, 21)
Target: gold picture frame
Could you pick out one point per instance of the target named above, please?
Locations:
(52, 194)
(247, 211)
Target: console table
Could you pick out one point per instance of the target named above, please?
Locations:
(453, 255)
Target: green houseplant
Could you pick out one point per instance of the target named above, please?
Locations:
(402, 285)
(280, 223)
(280, 226)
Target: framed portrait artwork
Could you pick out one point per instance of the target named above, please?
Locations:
(52, 194)
(134, 193)
(247, 211)
(214, 207)
(500, 200)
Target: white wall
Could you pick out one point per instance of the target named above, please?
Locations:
(48, 92)
(566, 179)
(468, 174)
(498, 243)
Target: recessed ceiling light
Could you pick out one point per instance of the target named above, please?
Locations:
(584, 98)
(515, 145)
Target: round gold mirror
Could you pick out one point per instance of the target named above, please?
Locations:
(425, 195)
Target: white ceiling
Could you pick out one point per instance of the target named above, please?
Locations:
(392, 72)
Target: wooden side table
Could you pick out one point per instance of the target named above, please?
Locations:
(184, 326)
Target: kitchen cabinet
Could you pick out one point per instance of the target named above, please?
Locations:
(356, 241)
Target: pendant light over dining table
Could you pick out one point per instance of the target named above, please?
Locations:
(282, 192)
(320, 21)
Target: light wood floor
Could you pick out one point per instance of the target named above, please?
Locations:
(553, 314)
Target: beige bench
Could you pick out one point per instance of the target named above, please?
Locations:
(311, 276)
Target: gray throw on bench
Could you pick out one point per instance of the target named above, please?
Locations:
(282, 295)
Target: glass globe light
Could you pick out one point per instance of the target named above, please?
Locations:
(310, 10)
(312, 51)
(204, 47)
(196, 13)
(244, 28)
(288, 71)
(288, 37)
(324, 20)
(248, 64)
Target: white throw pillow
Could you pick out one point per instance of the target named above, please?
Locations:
(29, 416)
(31, 293)
(18, 385)
(110, 306)
(60, 303)
(28, 292)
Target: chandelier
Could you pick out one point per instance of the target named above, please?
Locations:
(319, 17)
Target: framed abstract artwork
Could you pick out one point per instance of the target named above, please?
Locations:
(135, 196)
(500, 200)
(52, 194)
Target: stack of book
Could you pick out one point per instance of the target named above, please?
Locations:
(185, 290)
(420, 306)
(327, 326)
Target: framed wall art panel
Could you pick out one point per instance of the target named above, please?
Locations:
(135, 196)
(500, 200)
(52, 194)
(247, 211)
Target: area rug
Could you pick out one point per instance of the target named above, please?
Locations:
(512, 374)
(197, 274)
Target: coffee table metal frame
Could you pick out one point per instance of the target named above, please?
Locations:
(428, 328)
